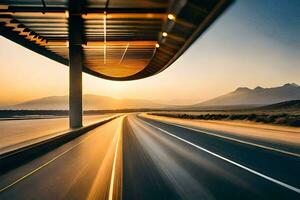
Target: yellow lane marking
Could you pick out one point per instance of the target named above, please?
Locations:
(44, 165)
(111, 187)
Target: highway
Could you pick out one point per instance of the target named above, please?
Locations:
(134, 157)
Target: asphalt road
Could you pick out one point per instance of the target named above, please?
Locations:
(137, 158)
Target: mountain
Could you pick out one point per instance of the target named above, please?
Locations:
(90, 102)
(286, 105)
(244, 96)
(241, 98)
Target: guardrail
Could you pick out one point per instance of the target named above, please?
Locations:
(10, 160)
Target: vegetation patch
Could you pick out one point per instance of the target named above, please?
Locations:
(277, 119)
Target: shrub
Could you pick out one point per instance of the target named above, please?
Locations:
(281, 119)
(294, 122)
(252, 117)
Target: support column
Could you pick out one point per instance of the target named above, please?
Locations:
(75, 64)
(75, 86)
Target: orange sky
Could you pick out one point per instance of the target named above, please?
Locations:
(236, 51)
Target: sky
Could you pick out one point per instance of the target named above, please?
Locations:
(254, 43)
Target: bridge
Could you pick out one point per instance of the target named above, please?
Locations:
(110, 39)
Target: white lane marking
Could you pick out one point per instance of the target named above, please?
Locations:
(42, 166)
(233, 139)
(297, 190)
(113, 173)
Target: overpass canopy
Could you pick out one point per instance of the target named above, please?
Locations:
(119, 39)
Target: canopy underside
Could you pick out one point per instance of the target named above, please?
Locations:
(120, 40)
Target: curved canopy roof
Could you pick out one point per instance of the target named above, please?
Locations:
(120, 40)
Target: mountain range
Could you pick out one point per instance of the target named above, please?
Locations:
(90, 102)
(246, 97)
(242, 97)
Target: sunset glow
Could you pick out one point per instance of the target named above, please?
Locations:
(238, 50)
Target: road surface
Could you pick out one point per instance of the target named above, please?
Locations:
(138, 158)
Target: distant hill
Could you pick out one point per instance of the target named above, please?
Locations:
(286, 105)
(259, 96)
(90, 102)
(241, 98)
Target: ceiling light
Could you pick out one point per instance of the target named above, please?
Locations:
(165, 34)
(104, 38)
(104, 26)
(157, 45)
(67, 14)
(171, 17)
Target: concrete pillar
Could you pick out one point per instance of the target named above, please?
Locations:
(75, 87)
(75, 63)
